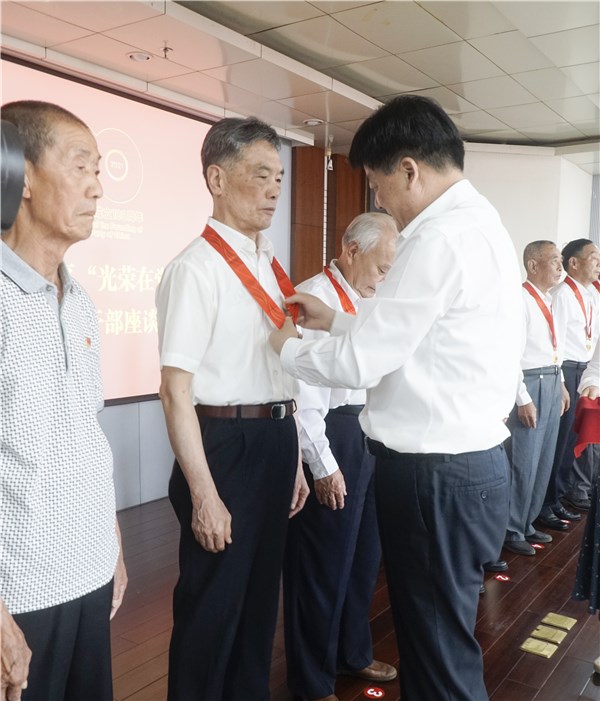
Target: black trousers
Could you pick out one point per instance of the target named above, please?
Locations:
(225, 604)
(331, 564)
(70, 646)
(441, 517)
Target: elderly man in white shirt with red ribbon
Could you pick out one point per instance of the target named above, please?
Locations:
(229, 411)
(576, 306)
(542, 399)
(332, 553)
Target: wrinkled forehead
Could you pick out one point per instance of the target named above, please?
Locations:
(260, 153)
(75, 138)
(551, 250)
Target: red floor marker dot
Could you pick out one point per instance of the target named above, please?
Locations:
(374, 692)
(538, 546)
(502, 578)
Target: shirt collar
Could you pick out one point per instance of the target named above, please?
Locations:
(460, 191)
(28, 279)
(348, 289)
(544, 295)
(241, 242)
(582, 288)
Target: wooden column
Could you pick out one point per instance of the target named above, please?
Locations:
(307, 212)
(346, 198)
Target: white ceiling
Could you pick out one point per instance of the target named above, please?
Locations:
(524, 72)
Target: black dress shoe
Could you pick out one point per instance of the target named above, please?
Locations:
(561, 512)
(582, 504)
(553, 522)
(520, 547)
(497, 566)
(538, 537)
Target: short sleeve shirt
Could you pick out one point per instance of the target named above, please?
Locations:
(57, 502)
(211, 326)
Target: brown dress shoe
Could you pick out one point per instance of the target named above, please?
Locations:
(376, 672)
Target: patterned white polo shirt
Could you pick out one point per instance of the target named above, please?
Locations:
(57, 503)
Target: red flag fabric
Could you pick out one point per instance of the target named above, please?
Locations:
(587, 423)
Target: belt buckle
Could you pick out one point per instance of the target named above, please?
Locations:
(278, 411)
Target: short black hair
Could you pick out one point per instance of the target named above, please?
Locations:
(35, 121)
(408, 125)
(226, 139)
(573, 250)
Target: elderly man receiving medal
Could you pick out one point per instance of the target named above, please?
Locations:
(333, 553)
(229, 409)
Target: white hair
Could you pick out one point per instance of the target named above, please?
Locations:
(366, 230)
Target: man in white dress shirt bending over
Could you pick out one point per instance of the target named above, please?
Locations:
(332, 551)
(439, 350)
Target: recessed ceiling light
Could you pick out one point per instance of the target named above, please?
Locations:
(313, 122)
(139, 56)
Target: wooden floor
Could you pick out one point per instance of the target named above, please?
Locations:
(508, 612)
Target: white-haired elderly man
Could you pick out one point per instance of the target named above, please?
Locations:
(333, 552)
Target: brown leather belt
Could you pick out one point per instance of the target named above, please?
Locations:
(274, 410)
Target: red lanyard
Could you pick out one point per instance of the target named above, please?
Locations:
(253, 286)
(347, 305)
(546, 312)
(588, 324)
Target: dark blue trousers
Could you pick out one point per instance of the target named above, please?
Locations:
(560, 483)
(331, 564)
(70, 646)
(225, 604)
(441, 517)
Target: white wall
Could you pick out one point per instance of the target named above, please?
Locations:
(538, 195)
(142, 455)
(574, 203)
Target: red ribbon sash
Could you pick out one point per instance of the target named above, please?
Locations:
(253, 286)
(588, 324)
(596, 284)
(347, 305)
(545, 311)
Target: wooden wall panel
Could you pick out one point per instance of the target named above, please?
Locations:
(308, 249)
(346, 198)
(307, 212)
